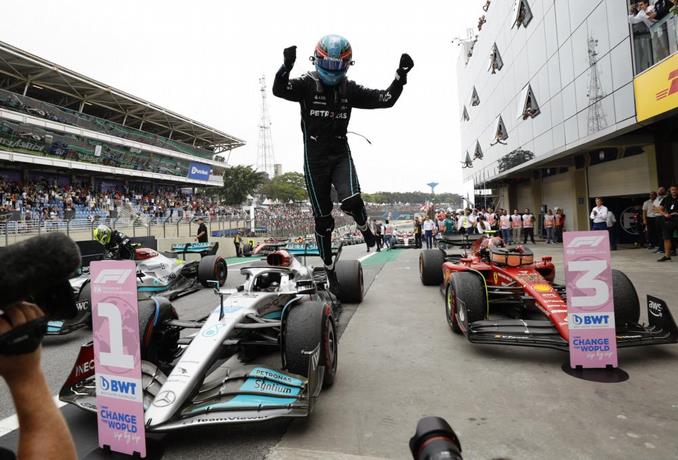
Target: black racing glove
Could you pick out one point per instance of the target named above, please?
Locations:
(290, 55)
(406, 64)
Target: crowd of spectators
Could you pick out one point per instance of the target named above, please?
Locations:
(44, 200)
(514, 227)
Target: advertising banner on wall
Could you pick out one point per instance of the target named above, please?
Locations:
(198, 171)
(117, 357)
(656, 89)
(590, 305)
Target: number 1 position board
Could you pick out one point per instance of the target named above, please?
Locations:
(117, 357)
(590, 304)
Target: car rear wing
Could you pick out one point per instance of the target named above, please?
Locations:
(204, 249)
(307, 249)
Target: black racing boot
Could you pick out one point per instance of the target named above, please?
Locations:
(332, 281)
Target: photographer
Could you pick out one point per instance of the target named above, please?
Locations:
(34, 284)
(42, 429)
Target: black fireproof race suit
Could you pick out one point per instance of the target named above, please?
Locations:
(120, 247)
(325, 113)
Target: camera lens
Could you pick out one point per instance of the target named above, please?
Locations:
(434, 439)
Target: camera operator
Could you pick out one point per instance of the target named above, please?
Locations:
(34, 288)
(42, 429)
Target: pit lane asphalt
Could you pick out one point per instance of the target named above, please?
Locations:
(59, 354)
(398, 361)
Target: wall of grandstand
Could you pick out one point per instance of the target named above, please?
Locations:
(30, 111)
(31, 159)
(28, 139)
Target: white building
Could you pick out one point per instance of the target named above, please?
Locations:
(562, 101)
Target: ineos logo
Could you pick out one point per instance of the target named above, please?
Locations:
(164, 399)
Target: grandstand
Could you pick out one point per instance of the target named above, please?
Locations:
(59, 125)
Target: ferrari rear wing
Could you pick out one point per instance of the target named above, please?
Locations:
(661, 329)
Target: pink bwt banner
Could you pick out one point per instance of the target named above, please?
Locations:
(117, 357)
(590, 304)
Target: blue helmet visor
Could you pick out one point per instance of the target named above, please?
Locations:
(329, 63)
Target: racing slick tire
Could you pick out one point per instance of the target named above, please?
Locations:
(350, 278)
(159, 339)
(430, 267)
(450, 309)
(212, 268)
(626, 303)
(470, 299)
(309, 323)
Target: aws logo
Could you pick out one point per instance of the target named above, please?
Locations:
(672, 89)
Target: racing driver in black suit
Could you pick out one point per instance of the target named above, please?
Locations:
(326, 97)
(117, 244)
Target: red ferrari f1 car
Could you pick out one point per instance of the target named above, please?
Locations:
(501, 295)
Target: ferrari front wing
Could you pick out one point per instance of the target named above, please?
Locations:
(661, 329)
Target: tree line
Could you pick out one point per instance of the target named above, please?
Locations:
(242, 181)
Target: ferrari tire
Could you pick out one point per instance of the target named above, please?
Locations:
(350, 278)
(212, 268)
(430, 267)
(309, 324)
(451, 309)
(470, 298)
(159, 339)
(626, 303)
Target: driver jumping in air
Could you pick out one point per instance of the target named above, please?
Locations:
(326, 97)
(116, 243)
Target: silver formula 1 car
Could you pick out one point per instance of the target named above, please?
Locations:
(283, 305)
(158, 273)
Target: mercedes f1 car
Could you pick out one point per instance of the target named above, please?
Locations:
(158, 273)
(502, 295)
(283, 306)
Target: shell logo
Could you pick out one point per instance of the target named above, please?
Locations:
(542, 287)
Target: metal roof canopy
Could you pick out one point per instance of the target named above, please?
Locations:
(21, 72)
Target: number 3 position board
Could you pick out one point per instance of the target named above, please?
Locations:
(590, 305)
(117, 357)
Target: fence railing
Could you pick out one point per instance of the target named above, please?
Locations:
(12, 231)
(655, 43)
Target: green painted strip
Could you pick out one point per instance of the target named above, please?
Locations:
(383, 257)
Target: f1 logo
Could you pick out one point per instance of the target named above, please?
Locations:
(590, 241)
(117, 275)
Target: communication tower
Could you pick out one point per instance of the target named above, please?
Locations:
(596, 114)
(265, 156)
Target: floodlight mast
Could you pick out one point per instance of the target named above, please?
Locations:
(265, 155)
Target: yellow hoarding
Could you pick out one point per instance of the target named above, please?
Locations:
(656, 89)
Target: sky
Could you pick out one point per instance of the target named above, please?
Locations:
(203, 59)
